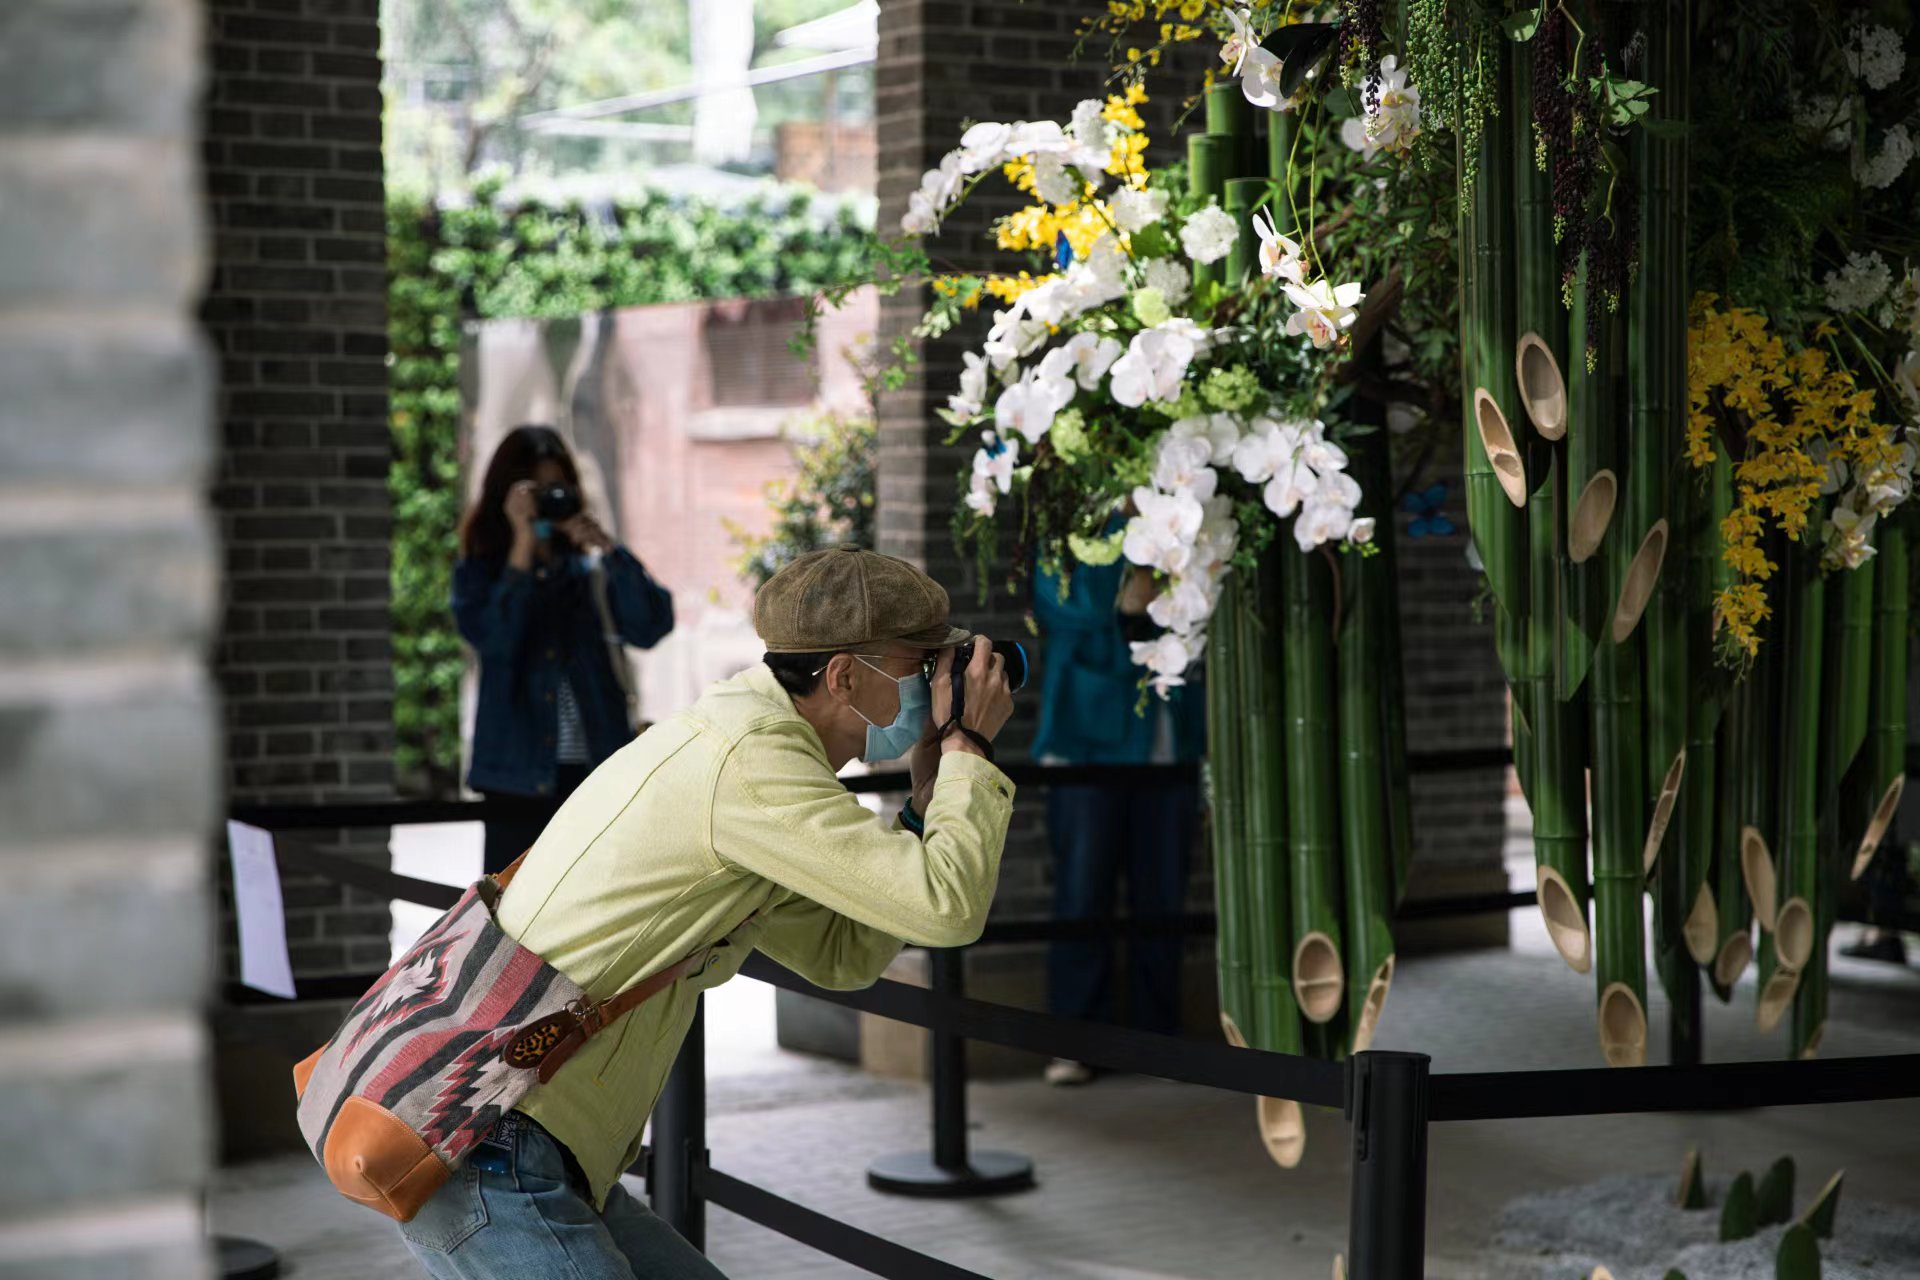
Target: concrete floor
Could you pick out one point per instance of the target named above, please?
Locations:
(1140, 1178)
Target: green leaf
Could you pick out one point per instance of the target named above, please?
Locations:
(1739, 1215)
(1774, 1199)
(1300, 49)
(1665, 130)
(1521, 25)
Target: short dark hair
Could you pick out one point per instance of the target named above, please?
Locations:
(798, 673)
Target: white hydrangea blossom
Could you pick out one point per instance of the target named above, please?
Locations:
(1173, 281)
(1135, 208)
(1886, 165)
(1863, 281)
(1829, 116)
(1208, 234)
(1875, 55)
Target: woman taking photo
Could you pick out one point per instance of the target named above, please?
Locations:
(546, 599)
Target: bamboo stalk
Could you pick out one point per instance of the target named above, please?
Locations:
(1620, 959)
(1585, 583)
(1227, 705)
(1557, 796)
(1796, 928)
(1363, 803)
(1392, 685)
(1850, 667)
(1207, 160)
(1230, 115)
(1243, 197)
(1260, 715)
(1733, 943)
(1887, 739)
(1319, 979)
(1486, 350)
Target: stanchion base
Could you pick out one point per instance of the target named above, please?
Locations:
(988, 1173)
(246, 1259)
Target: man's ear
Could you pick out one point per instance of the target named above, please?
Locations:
(837, 678)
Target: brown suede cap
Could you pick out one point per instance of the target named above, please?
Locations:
(845, 597)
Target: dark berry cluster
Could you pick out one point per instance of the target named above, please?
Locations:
(1363, 30)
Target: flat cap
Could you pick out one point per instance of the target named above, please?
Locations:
(844, 597)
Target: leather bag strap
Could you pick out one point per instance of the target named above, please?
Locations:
(596, 1016)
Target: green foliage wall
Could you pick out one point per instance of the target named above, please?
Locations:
(484, 260)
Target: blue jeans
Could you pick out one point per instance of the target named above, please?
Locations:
(1099, 834)
(518, 1209)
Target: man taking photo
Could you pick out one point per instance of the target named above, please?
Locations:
(727, 821)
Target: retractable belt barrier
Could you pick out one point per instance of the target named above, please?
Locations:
(1389, 1098)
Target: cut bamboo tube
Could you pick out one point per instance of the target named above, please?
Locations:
(1230, 116)
(1592, 515)
(1734, 949)
(1367, 855)
(1620, 944)
(1261, 717)
(1757, 873)
(1281, 1122)
(1543, 389)
(1319, 979)
(1820, 1213)
(1496, 438)
(1663, 806)
(1643, 574)
(1702, 928)
(1692, 1190)
(1226, 712)
(1793, 934)
(1877, 826)
(1773, 1197)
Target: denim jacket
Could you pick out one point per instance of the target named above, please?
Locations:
(531, 629)
(1092, 686)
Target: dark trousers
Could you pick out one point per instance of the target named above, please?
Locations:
(514, 822)
(1100, 834)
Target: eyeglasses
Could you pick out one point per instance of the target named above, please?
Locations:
(927, 665)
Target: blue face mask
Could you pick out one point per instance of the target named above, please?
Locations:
(890, 742)
(543, 529)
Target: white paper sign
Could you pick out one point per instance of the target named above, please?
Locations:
(264, 964)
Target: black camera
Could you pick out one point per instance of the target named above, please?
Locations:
(1012, 652)
(557, 502)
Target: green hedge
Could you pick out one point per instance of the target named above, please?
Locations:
(487, 259)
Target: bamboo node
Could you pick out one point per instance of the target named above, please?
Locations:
(1623, 1027)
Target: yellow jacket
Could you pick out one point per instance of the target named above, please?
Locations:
(724, 811)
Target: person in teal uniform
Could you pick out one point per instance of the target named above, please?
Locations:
(1105, 834)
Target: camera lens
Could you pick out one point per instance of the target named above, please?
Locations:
(1014, 654)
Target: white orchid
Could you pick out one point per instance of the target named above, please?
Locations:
(1326, 310)
(1219, 430)
(1091, 354)
(1208, 234)
(1182, 468)
(1353, 132)
(1834, 466)
(1259, 70)
(1394, 125)
(1292, 485)
(1162, 535)
(1135, 208)
(995, 460)
(1152, 368)
(972, 395)
(1362, 531)
(1280, 258)
(1849, 537)
(1265, 448)
(1030, 405)
(985, 145)
(1168, 658)
(1182, 607)
(1321, 522)
(1190, 331)
(1173, 281)
(1014, 336)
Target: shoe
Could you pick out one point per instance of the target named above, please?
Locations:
(1887, 947)
(1065, 1072)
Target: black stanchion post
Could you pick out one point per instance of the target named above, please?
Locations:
(1387, 1218)
(952, 1170)
(680, 1138)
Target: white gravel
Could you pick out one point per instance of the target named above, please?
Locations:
(1629, 1224)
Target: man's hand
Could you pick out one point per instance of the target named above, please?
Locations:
(989, 703)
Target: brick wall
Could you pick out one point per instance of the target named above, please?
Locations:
(942, 64)
(297, 310)
(108, 563)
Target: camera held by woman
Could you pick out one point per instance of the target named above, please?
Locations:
(547, 599)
